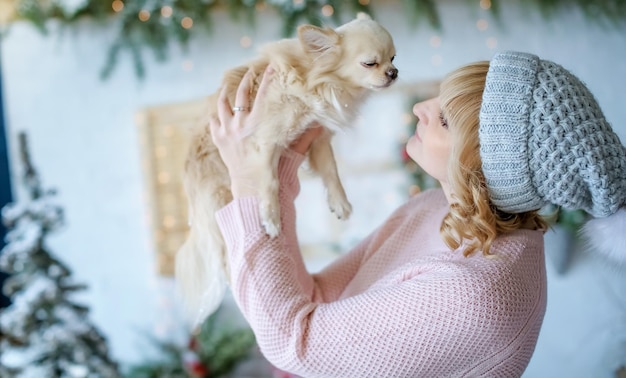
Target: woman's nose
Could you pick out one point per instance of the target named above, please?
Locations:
(418, 111)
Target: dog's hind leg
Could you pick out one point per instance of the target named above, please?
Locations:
(322, 161)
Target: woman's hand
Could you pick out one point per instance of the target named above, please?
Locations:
(231, 127)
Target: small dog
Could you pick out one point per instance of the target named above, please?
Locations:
(321, 77)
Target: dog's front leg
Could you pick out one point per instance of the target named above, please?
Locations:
(269, 205)
(322, 161)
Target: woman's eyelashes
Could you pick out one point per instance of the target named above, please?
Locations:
(442, 120)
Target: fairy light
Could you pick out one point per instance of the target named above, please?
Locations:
(163, 178)
(167, 11)
(328, 10)
(160, 152)
(364, 2)
(144, 15)
(406, 118)
(260, 6)
(298, 2)
(245, 42)
(186, 22)
(117, 6)
(482, 24)
(435, 41)
(485, 4)
(159, 236)
(169, 221)
(188, 65)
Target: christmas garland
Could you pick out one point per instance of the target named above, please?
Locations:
(155, 24)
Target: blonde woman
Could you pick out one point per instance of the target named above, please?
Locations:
(453, 283)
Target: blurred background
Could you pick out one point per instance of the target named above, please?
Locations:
(96, 100)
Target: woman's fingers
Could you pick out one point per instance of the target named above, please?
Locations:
(302, 144)
(214, 126)
(242, 99)
(265, 82)
(224, 110)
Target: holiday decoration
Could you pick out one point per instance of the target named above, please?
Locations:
(213, 352)
(164, 141)
(157, 23)
(43, 333)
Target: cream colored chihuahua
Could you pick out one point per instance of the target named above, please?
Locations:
(321, 77)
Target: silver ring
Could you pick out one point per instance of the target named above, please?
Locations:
(240, 109)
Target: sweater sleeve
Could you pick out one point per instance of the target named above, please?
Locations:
(401, 329)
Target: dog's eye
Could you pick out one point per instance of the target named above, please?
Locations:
(369, 64)
(392, 58)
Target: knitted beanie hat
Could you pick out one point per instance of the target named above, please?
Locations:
(544, 139)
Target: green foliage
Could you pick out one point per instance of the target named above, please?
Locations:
(218, 348)
(160, 30)
(44, 324)
(570, 220)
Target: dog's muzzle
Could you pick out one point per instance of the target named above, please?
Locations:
(392, 73)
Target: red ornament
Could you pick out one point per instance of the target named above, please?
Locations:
(198, 370)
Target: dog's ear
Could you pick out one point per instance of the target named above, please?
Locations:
(316, 40)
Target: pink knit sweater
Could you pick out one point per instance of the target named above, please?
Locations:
(400, 304)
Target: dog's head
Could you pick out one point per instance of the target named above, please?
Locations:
(360, 52)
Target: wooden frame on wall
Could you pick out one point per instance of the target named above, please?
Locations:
(164, 139)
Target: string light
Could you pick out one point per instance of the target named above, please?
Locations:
(163, 178)
(364, 2)
(406, 118)
(187, 65)
(169, 221)
(485, 4)
(167, 11)
(117, 6)
(328, 10)
(186, 22)
(435, 41)
(160, 152)
(482, 24)
(144, 15)
(245, 42)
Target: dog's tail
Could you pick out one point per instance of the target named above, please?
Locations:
(200, 276)
(200, 262)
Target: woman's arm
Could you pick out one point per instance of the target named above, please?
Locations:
(434, 321)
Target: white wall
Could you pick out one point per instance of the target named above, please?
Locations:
(84, 143)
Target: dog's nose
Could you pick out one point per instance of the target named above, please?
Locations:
(392, 73)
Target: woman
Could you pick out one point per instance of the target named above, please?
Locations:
(453, 283)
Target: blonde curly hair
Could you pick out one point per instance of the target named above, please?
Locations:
(473, 221)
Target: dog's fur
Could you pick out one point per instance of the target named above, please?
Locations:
(322, 76)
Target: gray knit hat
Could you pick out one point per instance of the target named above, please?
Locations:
(544, 139)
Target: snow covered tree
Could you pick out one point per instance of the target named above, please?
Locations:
(44, 333)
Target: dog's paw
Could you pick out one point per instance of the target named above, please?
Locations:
(341, 208)
(271, 229)
(270, 219)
